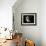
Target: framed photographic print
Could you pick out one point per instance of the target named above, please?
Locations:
(28, 18)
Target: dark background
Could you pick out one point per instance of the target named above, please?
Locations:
(31, 19)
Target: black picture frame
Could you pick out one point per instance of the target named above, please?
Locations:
(29, 19)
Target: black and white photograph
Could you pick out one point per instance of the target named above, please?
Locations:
(28, 18)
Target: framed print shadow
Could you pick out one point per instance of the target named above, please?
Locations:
(29, 19)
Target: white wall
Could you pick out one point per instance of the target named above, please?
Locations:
(6, 13)
(43, 22)
(28, 6)
(37, 33)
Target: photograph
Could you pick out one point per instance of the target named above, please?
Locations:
(28, 18)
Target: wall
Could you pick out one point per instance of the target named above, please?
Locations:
(28, 6)
(6, 13)
(43, 22)
(6, 16)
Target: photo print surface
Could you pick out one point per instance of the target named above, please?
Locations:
(28, 19)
